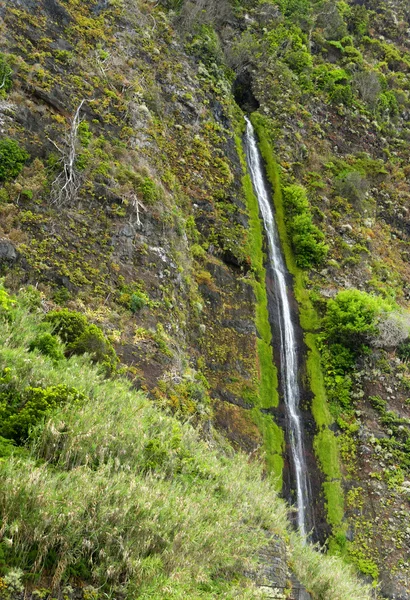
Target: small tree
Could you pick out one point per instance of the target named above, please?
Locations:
(368, 86)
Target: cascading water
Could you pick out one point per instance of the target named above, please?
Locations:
(288, 350)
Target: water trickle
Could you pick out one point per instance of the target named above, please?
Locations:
(288, 348)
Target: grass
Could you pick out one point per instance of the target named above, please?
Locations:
(118, 495)
(325, 443)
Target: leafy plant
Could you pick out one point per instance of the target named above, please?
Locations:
(69, 325)
(82, 337)
(137, 301)
(93, 342)
(21, 411)
(306, 238)
(48, 345)
(12, 159)
(351, 318)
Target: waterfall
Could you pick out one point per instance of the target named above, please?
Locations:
(288, 349)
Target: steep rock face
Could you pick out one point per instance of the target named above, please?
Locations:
(349, 150)
(150, 238)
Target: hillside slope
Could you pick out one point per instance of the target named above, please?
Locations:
(124, 196)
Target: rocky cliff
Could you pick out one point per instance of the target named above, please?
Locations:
(125, 197)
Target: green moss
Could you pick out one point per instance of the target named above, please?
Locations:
(327, 452)
(268, 396)
(320, 408)
(274, 443)
(335, 510)
(325, 443)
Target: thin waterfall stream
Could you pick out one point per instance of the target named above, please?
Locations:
(288, 347)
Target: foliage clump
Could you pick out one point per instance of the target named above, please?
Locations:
(81, 337)
(48, 345)
(306, 238)
(20, 411)
(12, 159)
(351, 318)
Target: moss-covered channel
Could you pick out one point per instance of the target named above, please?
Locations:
(324, 441)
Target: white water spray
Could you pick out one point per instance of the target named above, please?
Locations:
(288, 355)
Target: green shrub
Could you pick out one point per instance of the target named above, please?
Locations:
(299, 60)
(149, 190)
(7, 448)
(82, 337)
(307, 239)
(93, 342)
(12, 159)
(403, 351)
(69, 325)
(351, 318)
(48, 345)
(5, 301)
(21, 411)
(387, 105)
(354, 186)
(341, 94)
(137, 301)
(206, 46)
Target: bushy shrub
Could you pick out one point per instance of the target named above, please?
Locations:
(149, 190)
(48, 345)
(20, 411)
(338, 362)
(80, 337)
(299, 60)
(69, 325)
(93, 342)
(327, 77)
(341, 94)
(404, 351)
(351, 318)
(387, 105)
(353, 186)
(206, 46)
(307, 239)
(393, 329)
(137, 301)
(12, 159)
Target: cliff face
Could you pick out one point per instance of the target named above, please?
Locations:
(332, 85)
(149, 235)
(132, 207)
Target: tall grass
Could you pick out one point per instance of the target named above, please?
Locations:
(117, 494)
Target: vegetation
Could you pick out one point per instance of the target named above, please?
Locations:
(12, 159)
(158, 247)
(80, 337)
(351, 318)
(5, 76)
(306, 239)
(268, 378)
(105, 437)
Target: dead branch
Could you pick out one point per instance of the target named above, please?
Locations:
(66, 185)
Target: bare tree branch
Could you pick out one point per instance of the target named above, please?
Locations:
(66, 185)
